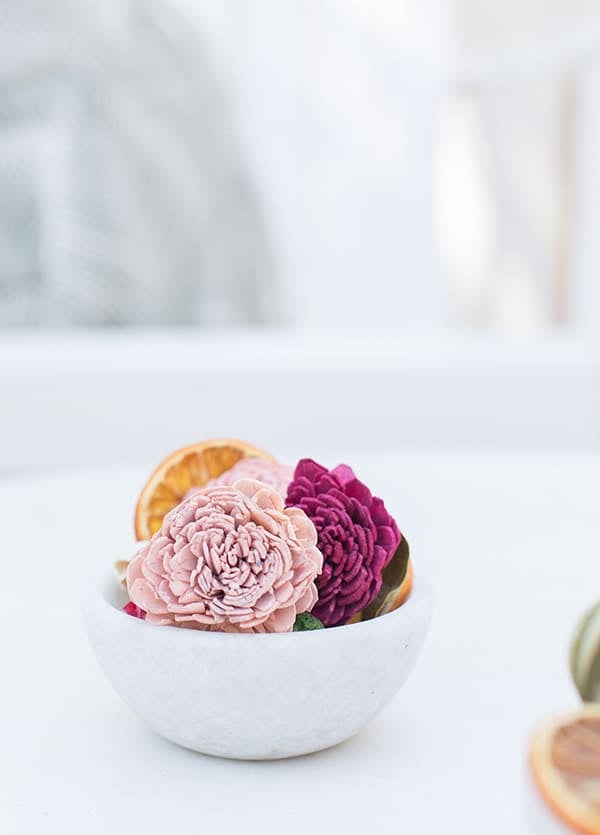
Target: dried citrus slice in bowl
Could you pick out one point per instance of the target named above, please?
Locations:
(565, 762)
(396, 586)
(190, 466)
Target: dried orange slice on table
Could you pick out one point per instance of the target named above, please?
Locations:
(565, 762)
(191, 466)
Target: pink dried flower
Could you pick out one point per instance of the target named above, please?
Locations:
(356, 535)
(267, 472)
(228, 559)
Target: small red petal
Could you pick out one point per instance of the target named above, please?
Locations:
(134, 610)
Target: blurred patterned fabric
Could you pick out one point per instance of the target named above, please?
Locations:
(123, 193)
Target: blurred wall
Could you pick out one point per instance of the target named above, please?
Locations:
(124, 195)
(345, 165)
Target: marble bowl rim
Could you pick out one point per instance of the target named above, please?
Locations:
(102, 592)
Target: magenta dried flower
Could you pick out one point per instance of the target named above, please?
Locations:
(356, 535)
(133, 610)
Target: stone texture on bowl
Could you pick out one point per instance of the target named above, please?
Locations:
(255, 696)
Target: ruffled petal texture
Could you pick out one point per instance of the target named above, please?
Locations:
(356, 535)
(260, 469)
(228, 559)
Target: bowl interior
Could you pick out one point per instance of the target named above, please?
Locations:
(110, 593)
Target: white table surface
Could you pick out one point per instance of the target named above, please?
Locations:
(511, 543)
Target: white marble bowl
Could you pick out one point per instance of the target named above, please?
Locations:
(255, 696)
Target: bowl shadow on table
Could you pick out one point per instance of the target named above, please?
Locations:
(262, 698)
(384, 737)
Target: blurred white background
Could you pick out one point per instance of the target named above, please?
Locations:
(420, 163)
(342, 163)
(396, 203)
(359, 230)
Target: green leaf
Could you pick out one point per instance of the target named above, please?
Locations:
(393, 577)
(306, 622)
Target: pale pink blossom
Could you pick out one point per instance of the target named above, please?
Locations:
(260, 469)
(230, 559)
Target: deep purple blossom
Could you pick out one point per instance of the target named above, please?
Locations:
(356, 535)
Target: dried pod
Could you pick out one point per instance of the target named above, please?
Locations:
(585, 655)
(121, 571)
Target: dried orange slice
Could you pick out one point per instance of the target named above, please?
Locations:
(401, 594)
(565, 762)
(396, 586)
(191, 466)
